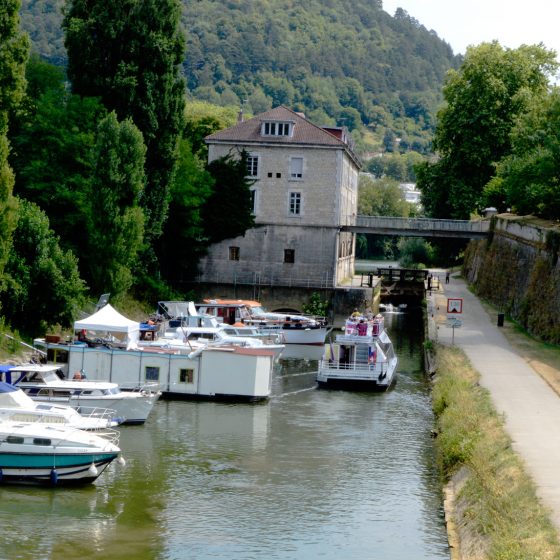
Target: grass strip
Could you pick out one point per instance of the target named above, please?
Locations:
(499, 516)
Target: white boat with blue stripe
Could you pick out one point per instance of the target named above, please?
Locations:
(45, 454)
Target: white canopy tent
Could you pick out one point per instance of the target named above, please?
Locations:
(109, 320)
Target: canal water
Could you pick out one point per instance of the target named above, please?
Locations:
(311, 474)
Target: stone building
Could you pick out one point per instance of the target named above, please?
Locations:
(305, 190)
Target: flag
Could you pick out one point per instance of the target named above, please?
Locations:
(371, 355)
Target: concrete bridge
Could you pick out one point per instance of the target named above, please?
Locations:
(420, 227)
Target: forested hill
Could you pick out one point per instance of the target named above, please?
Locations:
(343, 62)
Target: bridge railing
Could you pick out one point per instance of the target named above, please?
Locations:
(427, 224)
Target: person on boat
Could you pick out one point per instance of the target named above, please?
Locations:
(356, 313)
(362, 328)
(77, 376)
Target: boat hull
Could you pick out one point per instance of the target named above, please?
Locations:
(315, 336)
(53, 470)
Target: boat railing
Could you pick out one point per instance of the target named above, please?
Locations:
(356, 338)
(148, 388)
(109, 434)
(374, 368)
(97, 412)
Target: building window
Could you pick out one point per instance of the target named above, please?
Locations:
(295, 203)
(234, 253)
(278, 175)
(296, 167)
(253, 166)
(152, 373)
(253, 196)
(289, 256)
(186, 376)
(273, 128)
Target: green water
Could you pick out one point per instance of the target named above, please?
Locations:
(309, 474)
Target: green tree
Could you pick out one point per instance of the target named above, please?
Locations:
(117, 221)
(484, 99)
(52, 145)
(13, 54)
(381, 197)
(229, 210)
(527, 181)
(129, 54)
(184, 239)
(44, 285)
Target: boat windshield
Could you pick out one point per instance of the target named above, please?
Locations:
(258, 310)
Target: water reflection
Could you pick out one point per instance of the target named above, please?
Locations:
(310, 474)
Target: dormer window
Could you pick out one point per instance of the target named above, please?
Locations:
(276, 128)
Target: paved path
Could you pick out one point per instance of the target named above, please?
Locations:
(531, 408)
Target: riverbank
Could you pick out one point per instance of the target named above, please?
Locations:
(493, 507)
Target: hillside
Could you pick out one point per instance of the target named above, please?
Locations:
(343, 62)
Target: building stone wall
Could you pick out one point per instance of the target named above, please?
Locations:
(323, 256)
(261, 257)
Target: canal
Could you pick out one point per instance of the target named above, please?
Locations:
(309, 474)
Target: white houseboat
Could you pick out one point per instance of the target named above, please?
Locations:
(362, 358)
(112, 352)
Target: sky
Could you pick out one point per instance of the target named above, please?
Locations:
(470, 22)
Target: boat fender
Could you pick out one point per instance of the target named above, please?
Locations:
(121, 461)
(54, 477)
(196, 353)
(93, 470)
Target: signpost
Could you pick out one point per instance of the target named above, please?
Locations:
(454, 308)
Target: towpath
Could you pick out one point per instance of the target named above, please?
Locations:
(530, 405)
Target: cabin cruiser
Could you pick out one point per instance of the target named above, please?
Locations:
(194, 337)
(296, 328)
(48, 454)
(16, 406)
(47, 383)
(362, 358)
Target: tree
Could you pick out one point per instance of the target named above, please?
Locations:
(129, 54)
(184, 239)
(484, 99)
(229, 210)
(382, 197)
(527, 181)
(117, 221)
(52, 145)
(44, 285)
(13, 54)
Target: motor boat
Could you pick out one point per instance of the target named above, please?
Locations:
(16, 406)
(362, 358)
(47, 383)
(48, 454)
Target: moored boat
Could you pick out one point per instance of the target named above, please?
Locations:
(228, 371)
(16, 406)
(362, 358)
(35, 453)
(46, 383)
(296, 328)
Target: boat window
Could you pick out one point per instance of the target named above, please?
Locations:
(114, 391)
(61, 393)
(186, 375)
(152, 373)
(41, 441)
(14, 439)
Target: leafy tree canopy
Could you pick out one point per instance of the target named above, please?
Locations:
(493, 87)
(44, 285)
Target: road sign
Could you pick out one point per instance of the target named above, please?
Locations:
(454, 305)
(454, 322)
